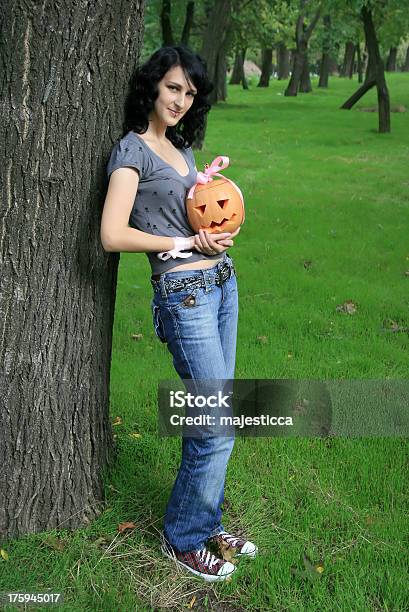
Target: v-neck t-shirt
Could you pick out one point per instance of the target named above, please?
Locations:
(159, 207)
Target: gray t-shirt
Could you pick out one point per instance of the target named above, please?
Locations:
(159, 207)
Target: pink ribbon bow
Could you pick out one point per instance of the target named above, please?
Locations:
(219, 163)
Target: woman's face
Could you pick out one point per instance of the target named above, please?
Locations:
(175, 97)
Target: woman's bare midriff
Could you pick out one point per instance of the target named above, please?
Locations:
(197, 265)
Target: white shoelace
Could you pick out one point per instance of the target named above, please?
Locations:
(210, 559)
(229, 538)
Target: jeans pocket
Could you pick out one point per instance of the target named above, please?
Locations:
(183, 300)
(158, 323)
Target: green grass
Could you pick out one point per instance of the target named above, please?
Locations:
(320, 185)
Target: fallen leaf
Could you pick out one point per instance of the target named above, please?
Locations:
(262, 339)
(348, 307)
(192, 602)
(123, 526)
(117, 421)
(307, 264)
(134, 434)
(4, 554)
(136, 336)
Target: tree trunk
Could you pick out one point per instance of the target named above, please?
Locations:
(187, 27)
(221, 66)
(325, 58)
(405, 67)
(347, 69)
(243, 76)
(324, 71)
(305, 81)
(375, 74)
(167, 35)
(359, 62)
(58, 285)
(333, 66)
(237, 72)
(283, 62)
(300, 63)
(391, 61)
(266, 66)
(214, 41)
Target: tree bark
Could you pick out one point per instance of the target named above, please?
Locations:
(375, 74)
(283, 62)
(300, 63)
(187, 26)
(325, 58)
(347, 69)
(221, 67)
(58, 285)
(391, 61)
(216, 41)
(237, 72)
(359, 62)
(305, 81)
(266, 66)
(166, 24)
(405, 67)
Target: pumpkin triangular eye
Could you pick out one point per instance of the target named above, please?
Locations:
(222, 203)
(201, 209)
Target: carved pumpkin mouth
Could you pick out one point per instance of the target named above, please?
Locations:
(222, 224)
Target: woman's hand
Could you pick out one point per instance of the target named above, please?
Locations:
(211, 244)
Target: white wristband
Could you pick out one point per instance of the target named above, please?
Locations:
(182, 244)
(179, 244)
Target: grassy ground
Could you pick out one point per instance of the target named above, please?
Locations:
(327, 215)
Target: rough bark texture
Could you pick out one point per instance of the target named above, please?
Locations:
(283, 62)
(266, 67)
(391, 61)
(187, 26)
(298, 80)
(61, 95)
(375, 74)
(166, 23)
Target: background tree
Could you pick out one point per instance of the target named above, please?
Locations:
(300, 77)
(61, 95)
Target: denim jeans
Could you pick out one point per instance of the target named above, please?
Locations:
(199, 326)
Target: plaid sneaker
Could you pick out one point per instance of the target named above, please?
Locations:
(201, 563)
(229, 546)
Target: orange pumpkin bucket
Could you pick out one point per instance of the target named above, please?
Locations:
(215, 205)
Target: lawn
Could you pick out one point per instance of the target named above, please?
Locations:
(327, 217)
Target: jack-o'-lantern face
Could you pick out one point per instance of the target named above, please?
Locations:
(216, 207)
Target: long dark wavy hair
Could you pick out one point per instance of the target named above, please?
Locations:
(143, 91)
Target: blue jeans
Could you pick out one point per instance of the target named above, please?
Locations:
(200, 328)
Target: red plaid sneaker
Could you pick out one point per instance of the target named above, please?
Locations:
(225, 542)
(201, 563)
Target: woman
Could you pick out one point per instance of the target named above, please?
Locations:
(194, 302)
